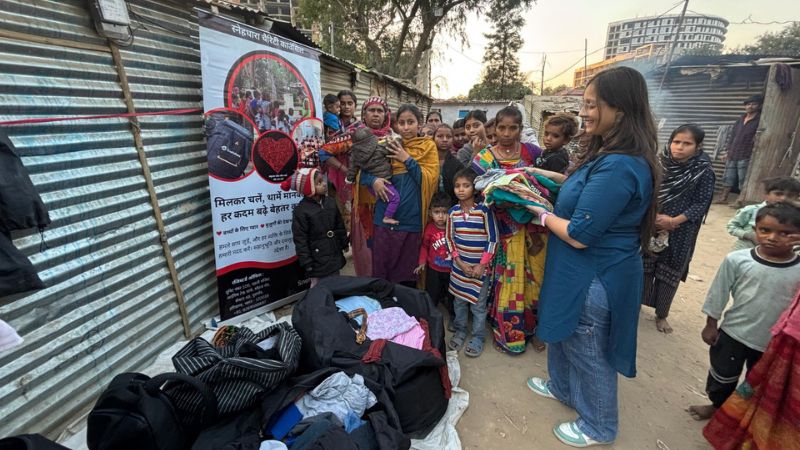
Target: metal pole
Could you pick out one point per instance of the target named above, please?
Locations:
(544, 61)
(674, 43)
(331, 27)
(585, 56)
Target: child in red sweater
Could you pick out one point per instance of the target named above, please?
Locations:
(433, 256)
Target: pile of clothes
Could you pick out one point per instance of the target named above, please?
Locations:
(513, 190)
(391, 324)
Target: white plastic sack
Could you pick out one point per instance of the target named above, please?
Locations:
(444, 436)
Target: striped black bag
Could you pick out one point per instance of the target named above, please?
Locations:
(240, 372)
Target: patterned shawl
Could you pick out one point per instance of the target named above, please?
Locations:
(680, 177)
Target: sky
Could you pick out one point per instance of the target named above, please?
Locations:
(559, 27)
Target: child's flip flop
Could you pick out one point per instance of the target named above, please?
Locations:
(457, 341)
(474, 348)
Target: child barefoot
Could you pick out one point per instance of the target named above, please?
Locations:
(368, 155)
(558, 132)
(433, 256)
(320, 239)
(762, 282)
(471, 240)
(743, 223)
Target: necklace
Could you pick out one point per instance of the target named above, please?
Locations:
(773, 260)
(506, 153)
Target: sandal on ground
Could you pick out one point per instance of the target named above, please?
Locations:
(474, 348)
(539, 386)
(569, 434)
(457, 341)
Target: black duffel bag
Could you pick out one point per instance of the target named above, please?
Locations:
(134, 413)
(29, 442)
(246, 430)
(240, 372)
(416, 380)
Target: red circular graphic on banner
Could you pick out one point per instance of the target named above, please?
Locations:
(275, 156)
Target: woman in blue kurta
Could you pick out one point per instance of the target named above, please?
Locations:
(589, 305)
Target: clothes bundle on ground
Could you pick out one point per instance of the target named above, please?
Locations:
(408, 363)
(311, 386)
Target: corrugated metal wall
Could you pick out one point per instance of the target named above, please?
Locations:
(710, 98)
(110, 304)
(334, 77)
(163, 68)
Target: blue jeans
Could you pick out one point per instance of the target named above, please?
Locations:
(735, 173)
(478, 313)
(580, 375)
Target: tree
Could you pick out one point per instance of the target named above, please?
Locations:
(502, 78)
(782, 43)
(555, 90)
(393, 36)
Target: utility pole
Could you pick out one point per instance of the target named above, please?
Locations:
(331, 28)
(674, 43)
(585, 56)
(544, 61)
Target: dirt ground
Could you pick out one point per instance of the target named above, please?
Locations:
(503, 413)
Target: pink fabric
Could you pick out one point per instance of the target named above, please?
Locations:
(789, 322)
(397, 326)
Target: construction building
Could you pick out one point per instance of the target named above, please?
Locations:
(649, 55)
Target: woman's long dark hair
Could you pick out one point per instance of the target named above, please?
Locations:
(634, 132)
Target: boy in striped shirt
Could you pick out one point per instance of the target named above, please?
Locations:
(471, 240)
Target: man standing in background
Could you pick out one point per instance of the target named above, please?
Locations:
(740, 148)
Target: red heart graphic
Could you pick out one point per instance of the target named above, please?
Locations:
(276, 152)
(262, 225)
(219, 233)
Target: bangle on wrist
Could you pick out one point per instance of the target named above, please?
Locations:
(543, 217)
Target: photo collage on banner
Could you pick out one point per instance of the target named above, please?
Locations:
(261, 97)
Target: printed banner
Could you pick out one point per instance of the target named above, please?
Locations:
(261, 97)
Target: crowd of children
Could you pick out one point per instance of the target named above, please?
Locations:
(754, 284)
